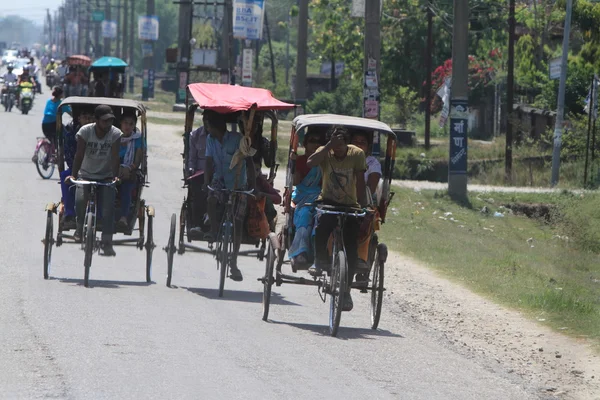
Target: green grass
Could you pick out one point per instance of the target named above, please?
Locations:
(517, 261)
(166, 121)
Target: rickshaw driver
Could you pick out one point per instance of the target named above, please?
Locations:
(343, 166)
(221, 145)
(97, 159)
(196, 164)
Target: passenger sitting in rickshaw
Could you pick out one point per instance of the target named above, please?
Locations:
(363, 141)
(307, 189)
(265, 189)
(130, 156)
(86, 116)
(75, 81)
(258, 141)
(196, 167)
(221, 146)
(343, 166)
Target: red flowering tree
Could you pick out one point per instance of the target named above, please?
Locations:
(481, 73)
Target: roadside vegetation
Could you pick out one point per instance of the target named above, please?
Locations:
(546, 265)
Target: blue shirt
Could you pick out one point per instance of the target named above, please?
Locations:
(70, 144)
(50, 111)
(222, 153)
(137, 144)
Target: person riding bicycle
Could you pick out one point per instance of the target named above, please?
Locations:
(97, 159)
(195, 178)
(33, 71)
(221, 149)
(69, 146)
(343, 166)
(8, 77)
(49, 120)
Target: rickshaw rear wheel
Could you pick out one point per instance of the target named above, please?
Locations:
(149, 249)
(89, 247)
(339, 283)
(377, 281)
(48, 242)
(225, 248)
(171, 249)
(182, 228)
(268, 278)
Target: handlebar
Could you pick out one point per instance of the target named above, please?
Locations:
(340, 210)
(246, 192)
(94, 183)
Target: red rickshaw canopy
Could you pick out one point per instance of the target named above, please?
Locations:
(226, 99)
(79, 60)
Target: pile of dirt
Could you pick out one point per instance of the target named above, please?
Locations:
(546, 212)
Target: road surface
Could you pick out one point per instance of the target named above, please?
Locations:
(122, 338)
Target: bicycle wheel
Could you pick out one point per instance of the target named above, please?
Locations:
(182, 227)
(171, 249)
(44, 165)
(268, 278)
(149, 249)
(339, 282)
(377, 288)
(48, 242)
(89, 246)
(223, 256)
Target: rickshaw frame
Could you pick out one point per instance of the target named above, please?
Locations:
(280, 243)
(139, 212)
(208, 97)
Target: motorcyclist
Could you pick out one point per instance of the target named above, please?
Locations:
(8, 77)
(33, 71)
(51, 65)
(24, 78)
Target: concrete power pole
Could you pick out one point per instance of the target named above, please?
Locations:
(124, 32)
(107, 41)
(131, 68)
(428, 67)
(183, 68)
(148, 62)
(119, 28)
(459, 103)
(372, 62)
(510, 90)
(97, 45)
(560, 109)
(300, 92)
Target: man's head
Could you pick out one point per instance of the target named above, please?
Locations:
(128, 124)
(104, 118)
(214, 123)
(361, 140)
(10, 68)
(52, 61)
(86, 116)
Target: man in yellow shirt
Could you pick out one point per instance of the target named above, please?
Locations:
(343, 166)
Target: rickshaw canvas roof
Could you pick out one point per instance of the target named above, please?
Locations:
(303, 121)
(226, 99)
(79, 59)
(113, 102)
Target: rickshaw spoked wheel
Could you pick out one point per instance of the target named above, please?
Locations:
(339, 283)
(48, 242)
(170, 249)
(89, 247)
(149, 249)
(224, 251)
(377, 288)
(182, 228)
(268, 278)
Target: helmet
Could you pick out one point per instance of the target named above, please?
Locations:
(10, 67)
(52, 60)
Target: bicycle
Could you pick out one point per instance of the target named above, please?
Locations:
(225, 238)
(338, 284)
(89, 241)
(44, 157)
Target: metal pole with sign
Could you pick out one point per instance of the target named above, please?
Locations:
(148, 26)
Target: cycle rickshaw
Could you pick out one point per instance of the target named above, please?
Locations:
(140, 212)
(76, 79)
(111, 72)
(240, 105)
(279, 244)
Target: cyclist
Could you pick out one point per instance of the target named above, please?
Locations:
(221, 147)
(49, 121)
(33, 71)
(196, 166)
(343, 166)
(97, 159)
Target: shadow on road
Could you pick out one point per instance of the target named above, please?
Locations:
(344, 333)
(239, 295)
(102, 283)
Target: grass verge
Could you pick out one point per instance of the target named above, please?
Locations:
(519, 262)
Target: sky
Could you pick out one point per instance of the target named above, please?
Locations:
(34, 10)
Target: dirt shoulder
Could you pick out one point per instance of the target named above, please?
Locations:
(500, 339)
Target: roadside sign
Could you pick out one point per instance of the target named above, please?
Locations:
(247, 67)
(97, 15)
(555, 67)
(109, 29)
(148, 27)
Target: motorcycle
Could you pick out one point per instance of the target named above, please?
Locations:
(9, 96)
(51, 78)
(27, 95)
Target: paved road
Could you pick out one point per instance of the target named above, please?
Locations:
(123, 338)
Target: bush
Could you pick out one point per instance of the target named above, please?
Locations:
(399, 107)
(345, 100)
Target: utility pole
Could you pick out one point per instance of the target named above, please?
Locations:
(372, 63)
(301, 83)
(124, 32)
(119, 28)
(510, 87)
(107, 41)
(428, 67)
(131, 68)
(459, 103)
(560, 109)
(185, 54)
(148, 60)
(230, 50)
(97, 45)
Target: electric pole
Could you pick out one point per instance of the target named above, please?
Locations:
(119, 28)
(148, 61)
(107, 40)
(97, 45)
(124, 33)
(131, 68)
(301, 83)
(372, 61)
(459, 103)
(510, 87)
(184, 53)
(560, 109)
(428, 67)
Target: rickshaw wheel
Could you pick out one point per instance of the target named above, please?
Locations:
(149, 249)
(182, 228)
(377, 281)
(170, 249)
(339, 281)
(268, 278)
(89, 247)
(224, 250)
(48, 242)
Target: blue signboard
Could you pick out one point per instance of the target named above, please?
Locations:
(151, 83)
(248, 18)
(458, 137)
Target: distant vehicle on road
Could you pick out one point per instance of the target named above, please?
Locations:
(9, 56)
